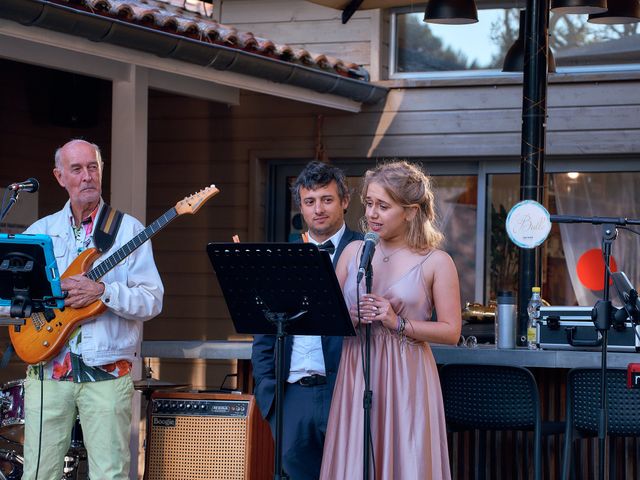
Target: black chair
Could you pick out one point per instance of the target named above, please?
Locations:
(583, 410)
(493, 397)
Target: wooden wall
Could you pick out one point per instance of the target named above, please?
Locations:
(193, 143)
(479, 121)
(302, 24)
(589, 114)
(40, 110)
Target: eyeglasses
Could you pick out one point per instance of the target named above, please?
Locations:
(469, 342)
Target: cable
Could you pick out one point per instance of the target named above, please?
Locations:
(4, 199)
(629, 229)
(361, 341)
(41, 378)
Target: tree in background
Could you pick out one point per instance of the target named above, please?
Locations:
(504, 31)
(574, 31)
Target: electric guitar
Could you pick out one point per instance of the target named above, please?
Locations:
(44, 333)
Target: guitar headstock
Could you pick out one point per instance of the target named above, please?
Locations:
(192, 203)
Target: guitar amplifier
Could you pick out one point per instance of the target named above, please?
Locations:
(207, 436)
(572, 328)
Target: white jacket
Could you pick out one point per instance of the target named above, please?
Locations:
(133, 289)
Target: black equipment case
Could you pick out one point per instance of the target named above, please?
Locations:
(572, 328)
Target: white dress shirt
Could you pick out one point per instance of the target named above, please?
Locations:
(307, 357)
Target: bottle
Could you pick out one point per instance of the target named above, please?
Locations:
(506, 320)
(533, 310)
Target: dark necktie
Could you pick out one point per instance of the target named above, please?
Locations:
(327, 246)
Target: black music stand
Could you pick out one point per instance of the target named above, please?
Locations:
(29, 279)
(280, 289)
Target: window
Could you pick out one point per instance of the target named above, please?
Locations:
(456, 208)
(422, 49)
(572, 266)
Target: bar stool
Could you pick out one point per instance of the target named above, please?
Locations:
(583, 410)
(494, 397)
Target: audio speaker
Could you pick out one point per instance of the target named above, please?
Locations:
(206, 436)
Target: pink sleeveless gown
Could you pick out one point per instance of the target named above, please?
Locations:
(407, 415)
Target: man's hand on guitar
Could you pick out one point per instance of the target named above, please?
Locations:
(81, 291)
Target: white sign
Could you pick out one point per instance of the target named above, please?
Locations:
(528, 224)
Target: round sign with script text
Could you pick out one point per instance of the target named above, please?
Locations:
(528, 224)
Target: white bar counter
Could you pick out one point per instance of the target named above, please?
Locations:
(483, 354)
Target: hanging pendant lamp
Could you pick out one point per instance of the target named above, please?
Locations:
(451, 12)
(579, 6)
(619, 11)
(514, 59)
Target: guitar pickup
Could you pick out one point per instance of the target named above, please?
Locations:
(49, 314)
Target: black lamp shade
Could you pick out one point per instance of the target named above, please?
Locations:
(619, 11)
(514, 59)
(579, 6)
(451, 12)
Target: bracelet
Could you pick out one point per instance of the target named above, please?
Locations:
(402, 323)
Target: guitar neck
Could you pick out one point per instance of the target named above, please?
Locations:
(129, 247)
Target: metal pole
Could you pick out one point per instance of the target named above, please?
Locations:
(534, 113)
(278, 471)
(367, 399)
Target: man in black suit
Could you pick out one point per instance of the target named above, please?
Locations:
(311, 362)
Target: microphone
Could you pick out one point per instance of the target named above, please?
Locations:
(29, 185)
(371, 239)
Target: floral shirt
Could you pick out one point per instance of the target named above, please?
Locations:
(68, 364)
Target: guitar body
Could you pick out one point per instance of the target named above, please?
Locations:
(40, 339)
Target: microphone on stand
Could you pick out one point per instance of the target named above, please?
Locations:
(30, 185)
(371, 239)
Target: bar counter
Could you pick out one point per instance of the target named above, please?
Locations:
(483, 354)
(498, 455)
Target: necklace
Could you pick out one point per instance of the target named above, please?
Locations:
(385, 257)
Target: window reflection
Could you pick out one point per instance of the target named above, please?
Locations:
(422, 47)
(457, 208)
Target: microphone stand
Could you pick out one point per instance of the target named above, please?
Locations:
(602, 314)
(12, 202)
(368, 394)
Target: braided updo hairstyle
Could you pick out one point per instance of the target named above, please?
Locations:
(409, 186)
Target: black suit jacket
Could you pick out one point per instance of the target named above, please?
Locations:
(263, 352)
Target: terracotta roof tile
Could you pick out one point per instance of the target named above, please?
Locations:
(170, 16)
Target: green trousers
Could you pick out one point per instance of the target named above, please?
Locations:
(104, 409)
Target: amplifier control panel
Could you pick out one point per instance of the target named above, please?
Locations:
(190, 407)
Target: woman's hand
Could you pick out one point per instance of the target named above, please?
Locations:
(374, 308)
(353, 312)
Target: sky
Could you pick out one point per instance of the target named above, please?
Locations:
(473, 39)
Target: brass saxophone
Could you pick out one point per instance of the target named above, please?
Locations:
(479, 313)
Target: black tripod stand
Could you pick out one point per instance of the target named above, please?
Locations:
(603, 314)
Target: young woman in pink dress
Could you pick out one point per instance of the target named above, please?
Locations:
(411, 279)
